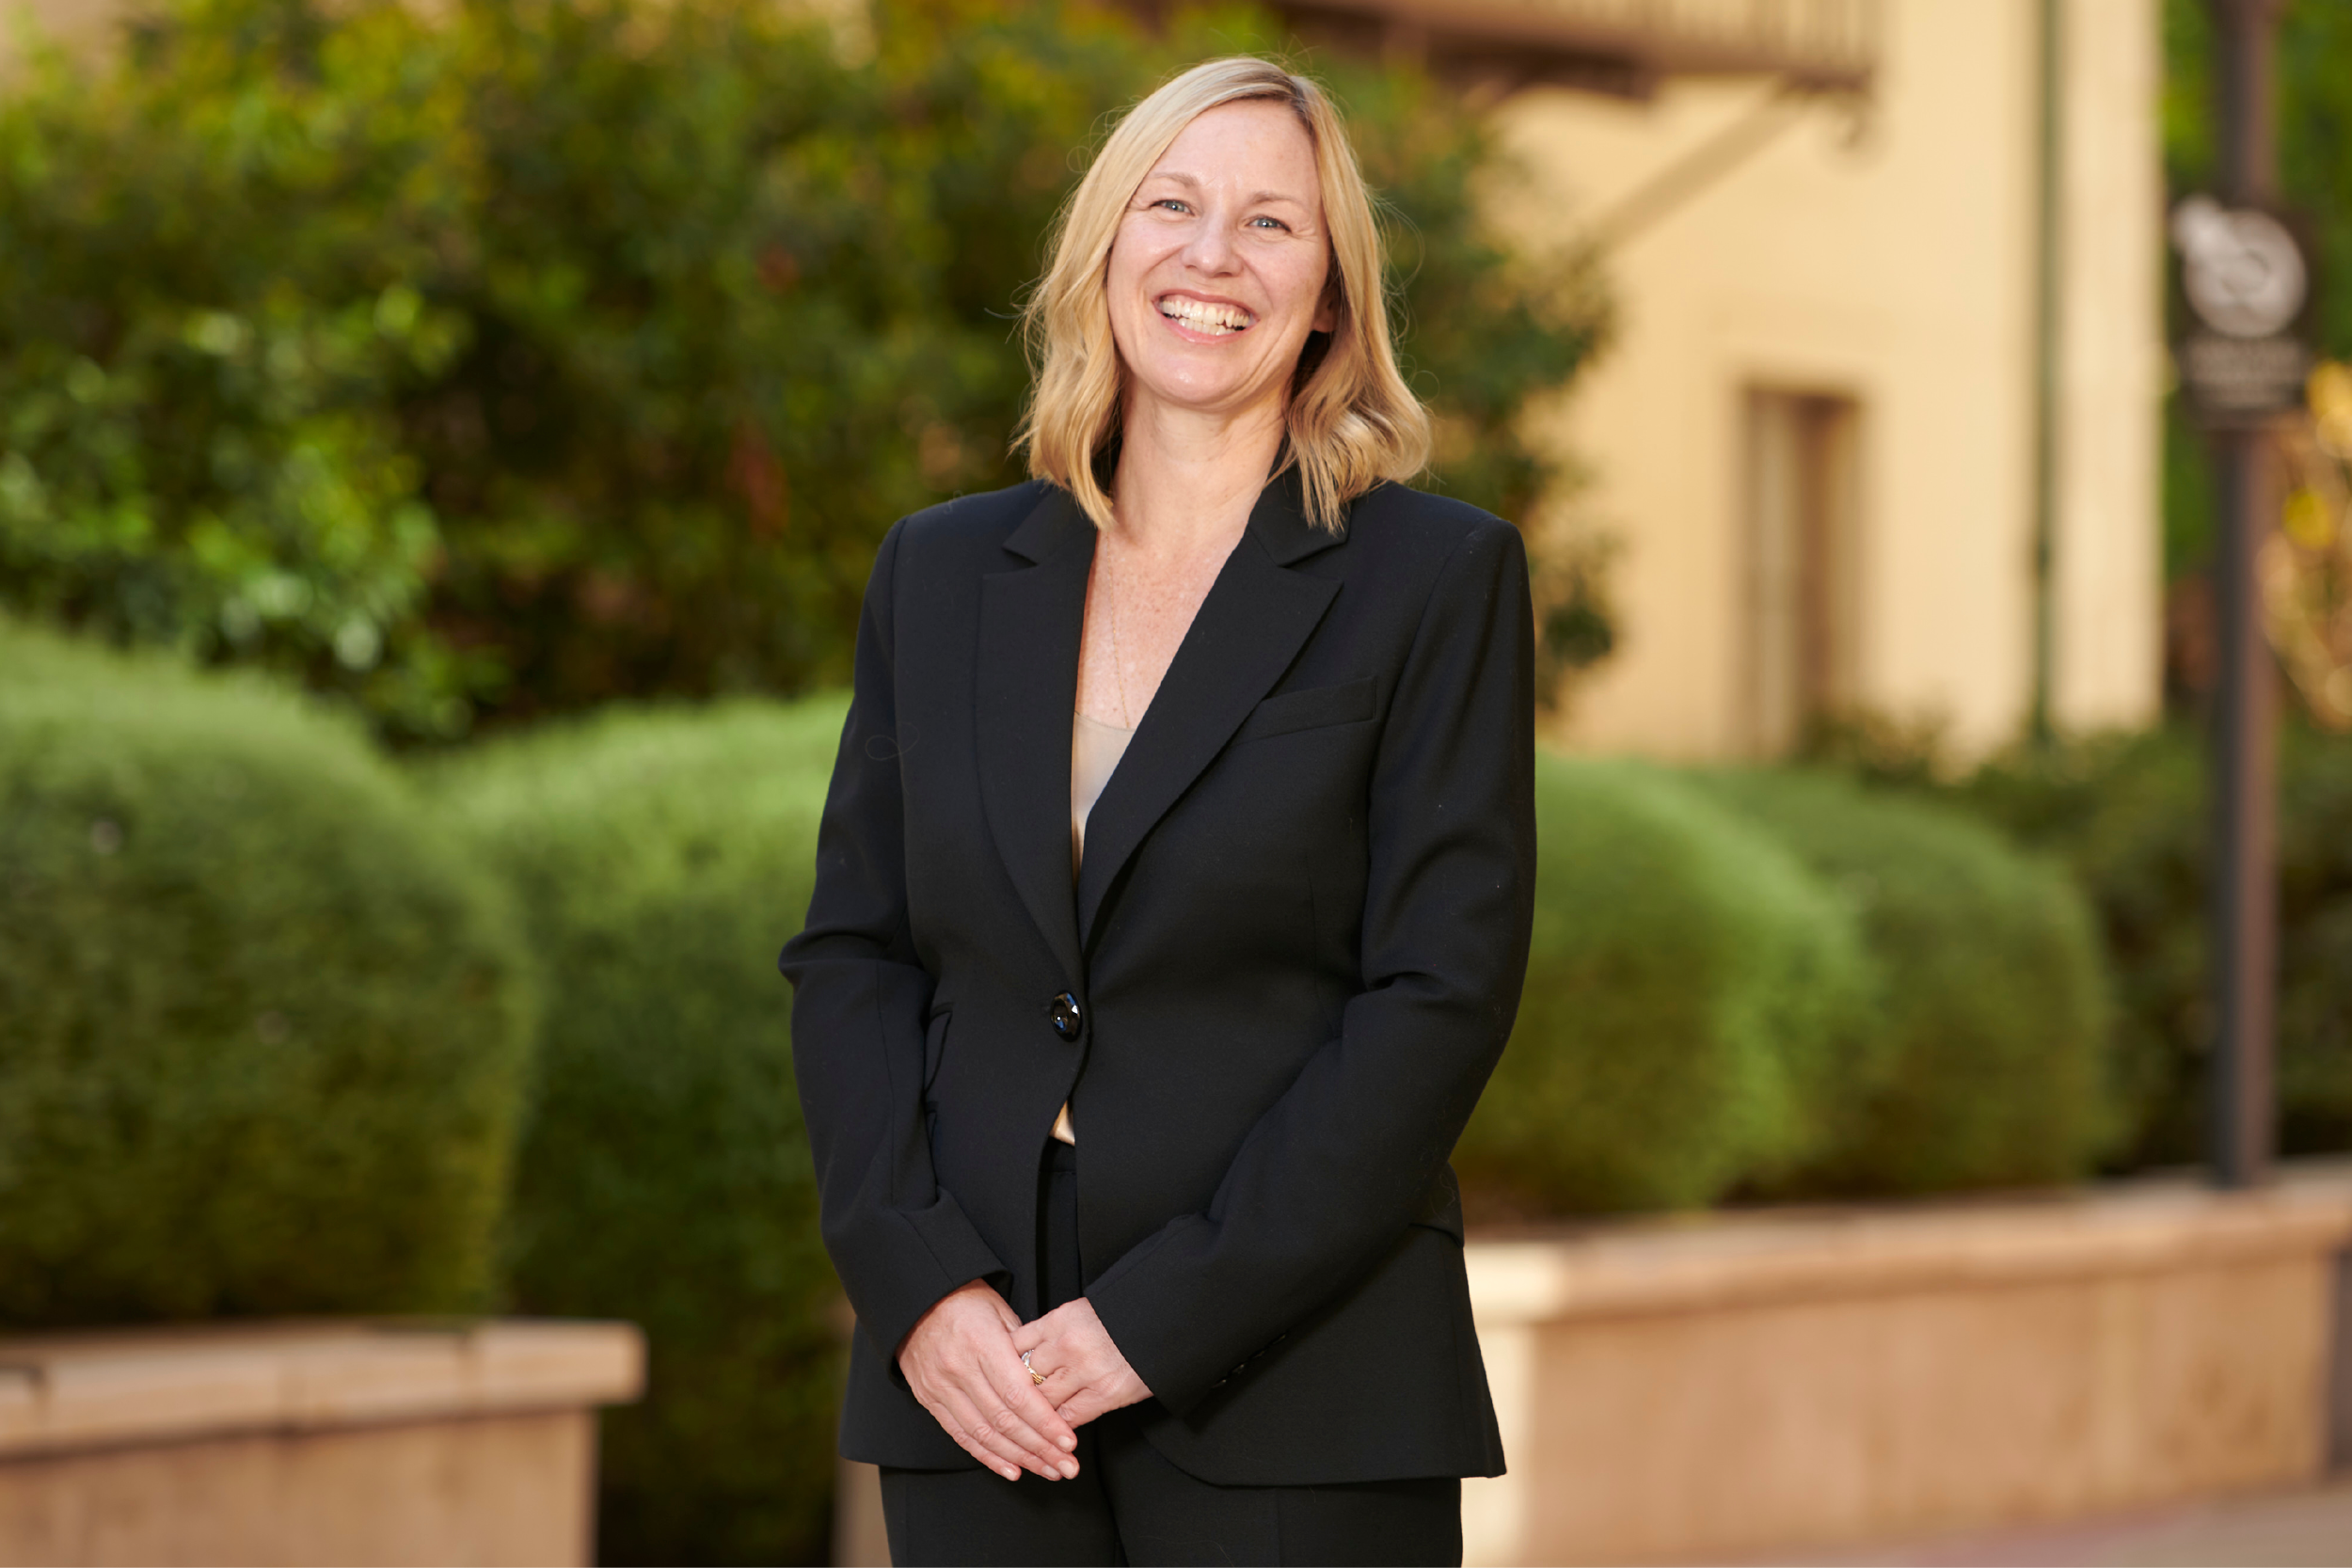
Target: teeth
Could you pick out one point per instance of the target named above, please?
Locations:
(1203, 317)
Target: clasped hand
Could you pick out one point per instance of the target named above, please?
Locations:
(963, 1359)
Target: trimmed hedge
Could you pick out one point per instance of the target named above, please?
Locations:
(2128, 814)
(1991, 1000)
(263, 1025)
(663, 858)
(1691, 1012)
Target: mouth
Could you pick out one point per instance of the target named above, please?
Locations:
(1199, 315)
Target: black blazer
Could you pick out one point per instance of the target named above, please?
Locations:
(1271, 999)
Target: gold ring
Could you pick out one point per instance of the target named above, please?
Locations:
(1035, 1376)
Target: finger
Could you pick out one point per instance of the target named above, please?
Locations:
(965, 1420)
(1026, 1429)
(1002, 1399)
(1047, 1461)
(1086, 1397)
(993, 1448)
(1017, 1389)
(1028, 1337)
(1020, 1429)
(1057, 1383)
(1059, 1391)
(1001, 1468)
(964, 1440)
(1015, 1386)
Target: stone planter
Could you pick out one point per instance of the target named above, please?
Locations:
(1747, 1385)
(1743, 1384)
(307, 1442)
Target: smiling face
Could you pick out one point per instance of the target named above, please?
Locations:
(1218, 268)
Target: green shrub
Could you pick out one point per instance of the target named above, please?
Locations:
(1688, 1021)
(262, 1026)
(2128, 814)
(2315, 944)
(663, 858)
(1991, 1001)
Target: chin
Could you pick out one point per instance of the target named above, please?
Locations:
(1203, 388)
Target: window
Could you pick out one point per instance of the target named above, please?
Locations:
(1797, 655)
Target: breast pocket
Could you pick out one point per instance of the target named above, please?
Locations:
(1349, 702)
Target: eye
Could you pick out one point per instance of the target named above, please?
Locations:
(1173, 204)
(1270, 222)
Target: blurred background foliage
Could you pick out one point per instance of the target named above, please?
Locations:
(660, 857)
(2127, 814)
(2314, 61)
(1695, 1012)
(264, 1022)
(489, 361)
(1980, 1059)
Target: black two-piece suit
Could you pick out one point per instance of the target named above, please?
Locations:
(1271, 1000)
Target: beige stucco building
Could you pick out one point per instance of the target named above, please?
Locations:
(1816, 435)
(1845, 422)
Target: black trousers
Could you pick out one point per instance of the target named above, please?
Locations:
(1129, 1505)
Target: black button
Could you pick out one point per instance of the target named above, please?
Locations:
(1068, 1020)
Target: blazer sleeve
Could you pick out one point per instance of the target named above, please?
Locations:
(1325, 1182)
(859, 997)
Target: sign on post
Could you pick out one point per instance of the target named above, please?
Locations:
(2245, 280)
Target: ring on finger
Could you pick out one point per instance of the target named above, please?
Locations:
(1035, 1376)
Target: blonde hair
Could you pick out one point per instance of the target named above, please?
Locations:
(1350, 421)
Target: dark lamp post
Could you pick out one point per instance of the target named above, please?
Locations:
(2244, 283)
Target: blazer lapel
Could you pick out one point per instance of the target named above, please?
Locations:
(1257, 616)
(1028, 687)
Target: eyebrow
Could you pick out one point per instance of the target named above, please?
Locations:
(1194, 181)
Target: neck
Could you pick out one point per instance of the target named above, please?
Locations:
(1187, 479)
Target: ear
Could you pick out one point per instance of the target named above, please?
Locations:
(1327, 312)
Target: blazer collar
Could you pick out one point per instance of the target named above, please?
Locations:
(1278, 522)
(1026, 690)
(1250, 628)
(1054, 524)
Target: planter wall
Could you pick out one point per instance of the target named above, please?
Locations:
(1734, 1386)
(292, 1443)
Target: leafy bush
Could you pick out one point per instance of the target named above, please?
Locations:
(263, 1025)
(1690, 1015)
(663, 858)
(1992, 1002)
(2128, 814)
(518, 358)
(207, 307)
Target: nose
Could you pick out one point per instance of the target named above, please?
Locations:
(1211, 249)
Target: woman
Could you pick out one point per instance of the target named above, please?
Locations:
(1172, 902)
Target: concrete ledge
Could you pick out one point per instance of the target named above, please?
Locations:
(1739, 1384)
(290, 1442)
(1712, 1261)
(91, 1390)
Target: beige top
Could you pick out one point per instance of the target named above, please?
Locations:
(1095, 748)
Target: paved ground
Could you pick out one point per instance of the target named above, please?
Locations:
(2303, 1529)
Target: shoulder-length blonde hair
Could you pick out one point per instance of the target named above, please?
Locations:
(1351, 421)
